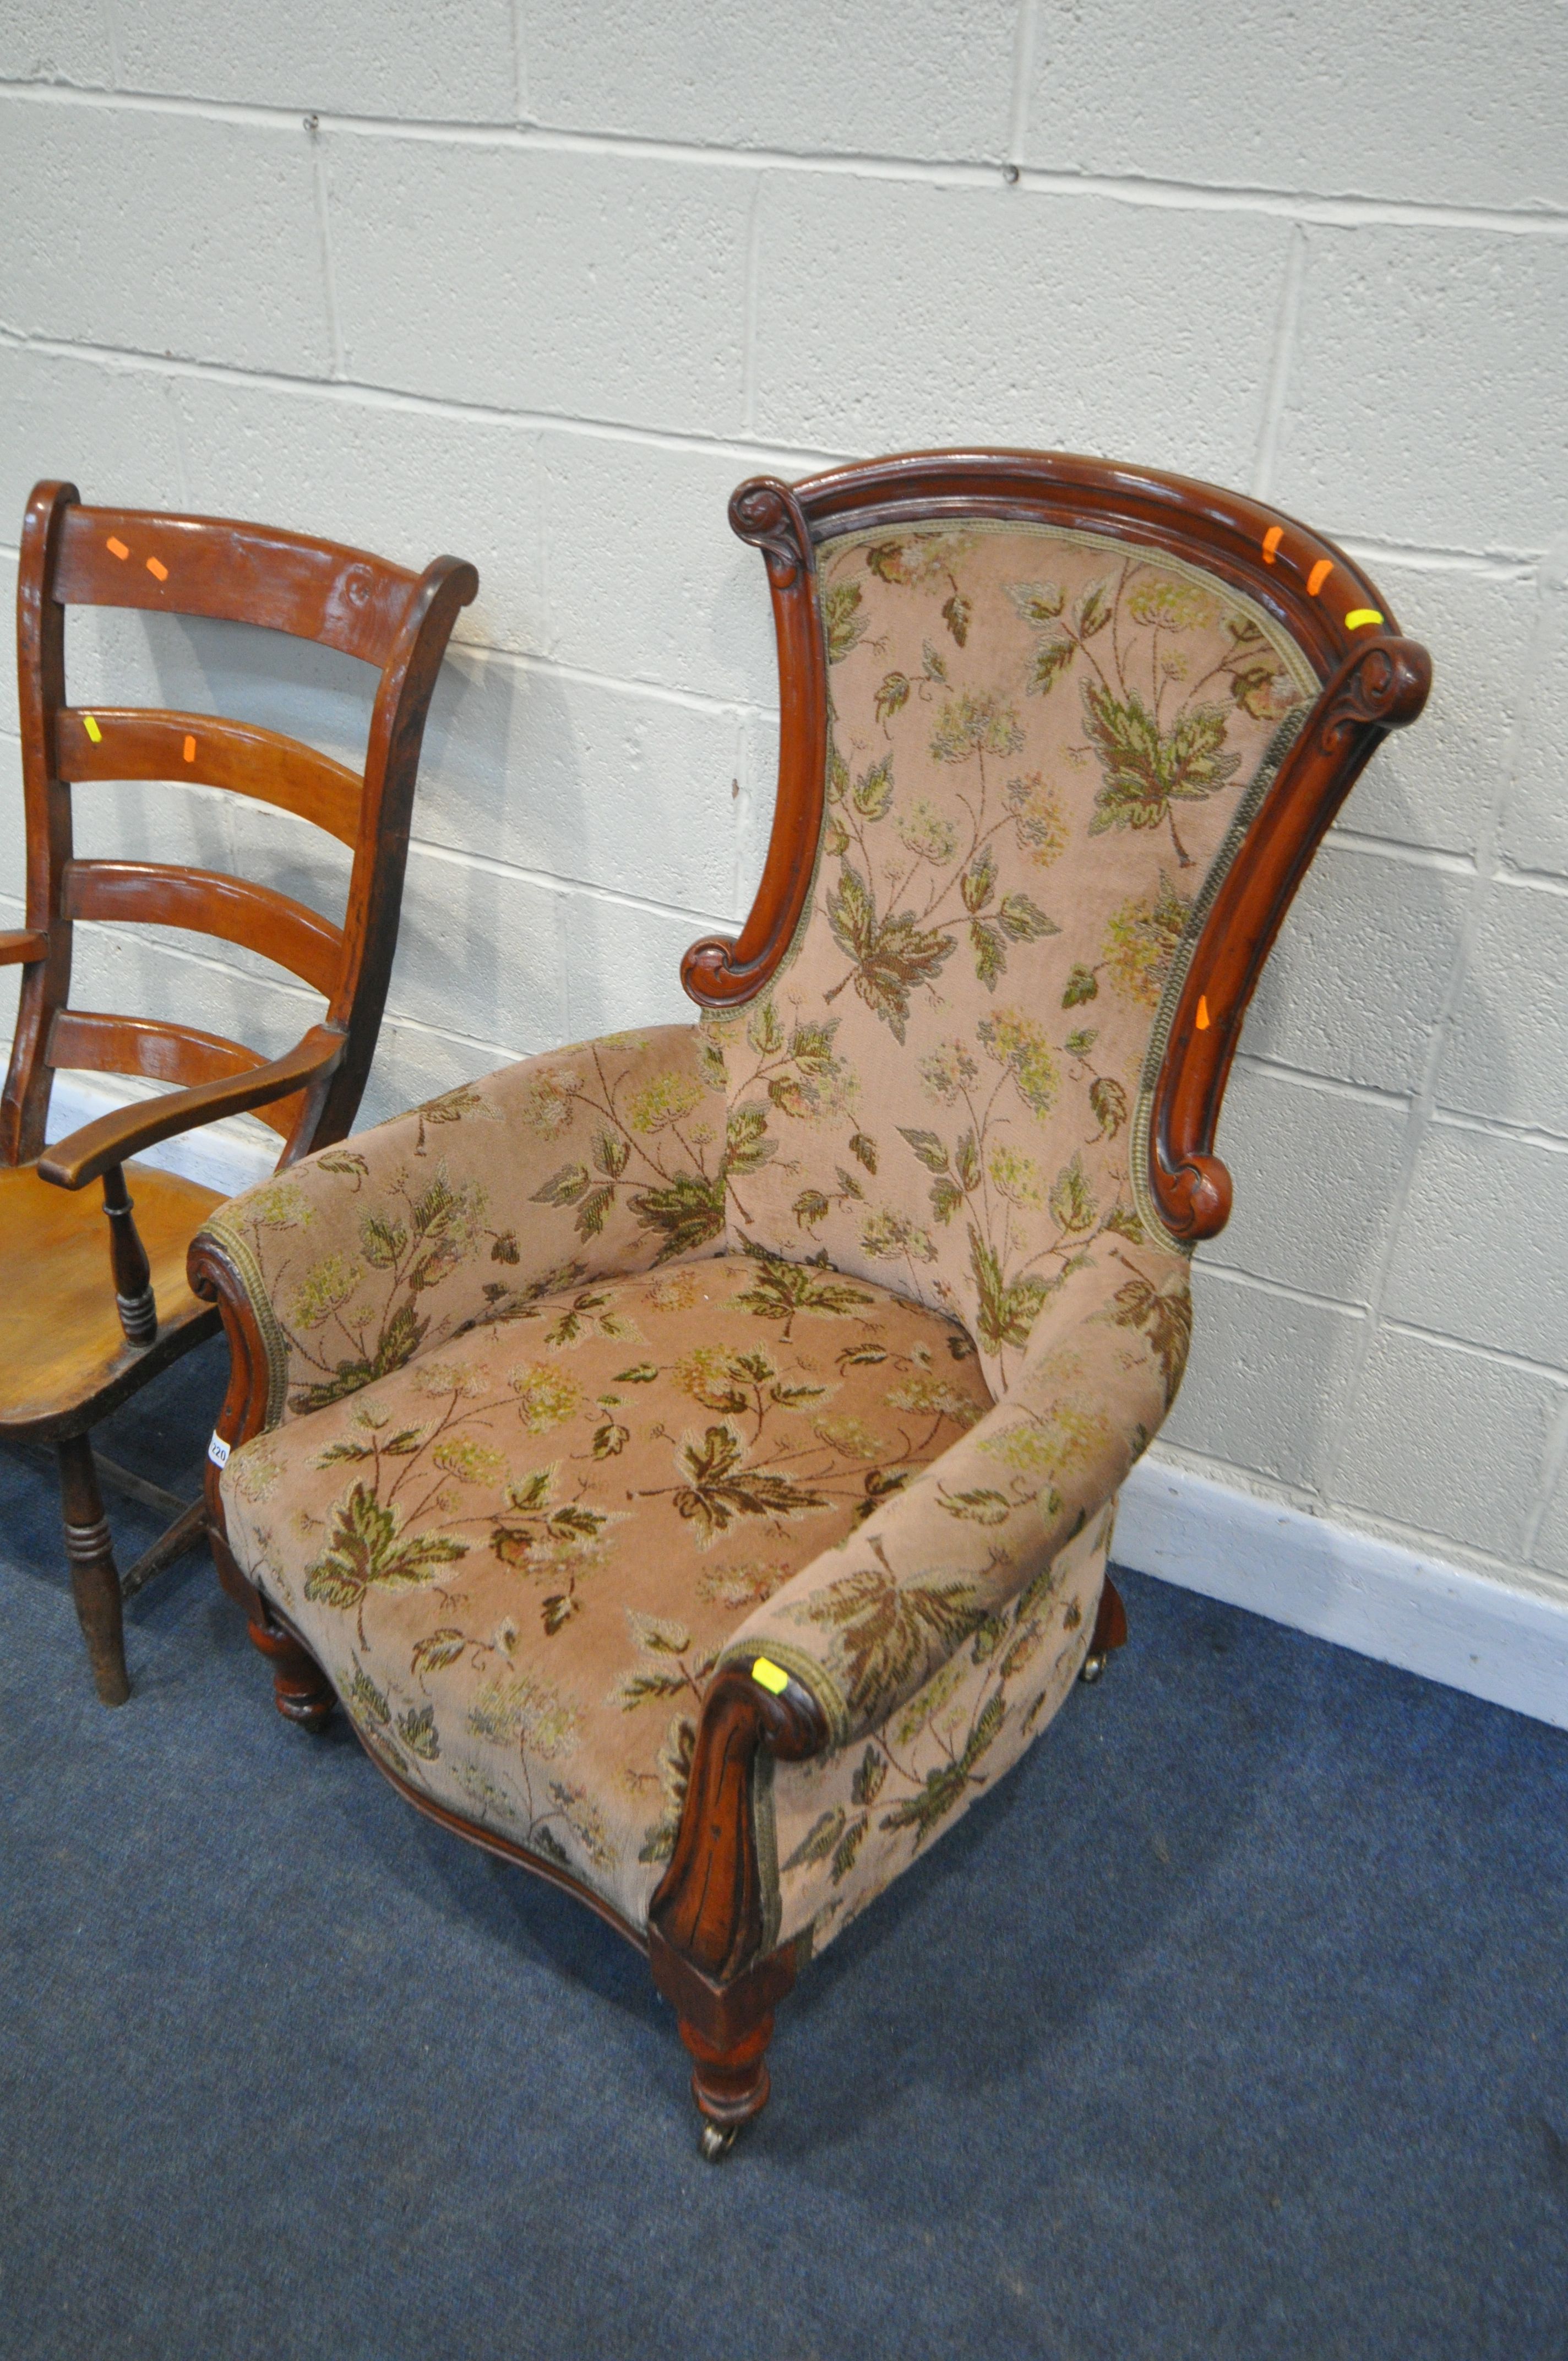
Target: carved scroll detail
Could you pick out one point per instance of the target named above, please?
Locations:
(767, 515)
(1385, 687)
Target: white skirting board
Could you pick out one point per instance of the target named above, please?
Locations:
(1445, 1621)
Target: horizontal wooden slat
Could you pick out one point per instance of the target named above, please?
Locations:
(146, 742)
(242, 573)
(153, 894)
(18, 943)
(92, 1043)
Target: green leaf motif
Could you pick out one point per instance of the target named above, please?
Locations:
(819, 1839)
(1164, 1314)
(747, 1147)
(945, 1786)
(366, 1551)
(873, 796)
(1051, 658)
(381, 1243)
(955, 614)
(892, 1635)
(611, 1154)
(563, 1188)
(780, 1290)
(893, 957)
(722, 1488)
(893, 696)
(946, 1198)
(1036, 602)
(866, 1783)
(809, 1208)
(1081, 984)
(1006, 1313)
(1072, 1201)
(1108, 1104)
(927, 1148)
(436, 1650)
(990, 952)
(1145, 769)
(979, 883)
(980, 1507)
(863, 1150)
(687, 1213)
(1023, 921)
(842, 619)
(417, 1730)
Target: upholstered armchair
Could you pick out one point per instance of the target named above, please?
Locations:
(691, 1457)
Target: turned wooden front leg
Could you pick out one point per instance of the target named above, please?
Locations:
(128, 1259)
(302, 1691)
(94, 1578)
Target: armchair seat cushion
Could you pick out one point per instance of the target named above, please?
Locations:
(519, 1556)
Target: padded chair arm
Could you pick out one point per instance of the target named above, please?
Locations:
(867, 1624)
(583, 1164)
(73, 1162)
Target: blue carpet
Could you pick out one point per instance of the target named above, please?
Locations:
(1231, 2026)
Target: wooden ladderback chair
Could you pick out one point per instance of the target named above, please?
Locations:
(87, 1320)
(691, 1456)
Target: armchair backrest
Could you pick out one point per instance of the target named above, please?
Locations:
(1059, 741)
(361, 605)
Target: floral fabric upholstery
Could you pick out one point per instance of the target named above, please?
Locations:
(518, 1555)
(1040, 743)
(825, 1331)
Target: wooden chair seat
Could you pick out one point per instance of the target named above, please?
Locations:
(61, 1339)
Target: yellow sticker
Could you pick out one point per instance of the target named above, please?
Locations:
(1360, 616)
(767, 1676)
(91, 729)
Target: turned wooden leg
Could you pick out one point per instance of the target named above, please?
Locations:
(94, 1578)
(1110, 1632)
(300, 1690)
(729, 2081)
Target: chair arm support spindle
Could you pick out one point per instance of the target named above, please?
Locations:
(127, 1259)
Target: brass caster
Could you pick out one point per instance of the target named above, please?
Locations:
(1093, 1669)
(716, 2141)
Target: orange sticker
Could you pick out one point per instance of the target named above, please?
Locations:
(160, 572)
(1271, 540)
(117, 548)
(1202, 1014)
(1318, 576)
(190, 750)
(1359, 617)
(91, 729)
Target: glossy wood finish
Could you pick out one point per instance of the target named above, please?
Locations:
(64, 1364)
(94, 1583)
(154, 894)
(60, 1341)
(1372, 681)
(236, 756)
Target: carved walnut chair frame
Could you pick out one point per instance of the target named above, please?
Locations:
(705, 1939)
(347, 599)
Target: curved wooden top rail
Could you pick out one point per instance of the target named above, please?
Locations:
(1373, 681)
(208, 903)
(149, 742)
(236, 572)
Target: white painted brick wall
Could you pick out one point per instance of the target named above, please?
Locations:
(540, 284)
